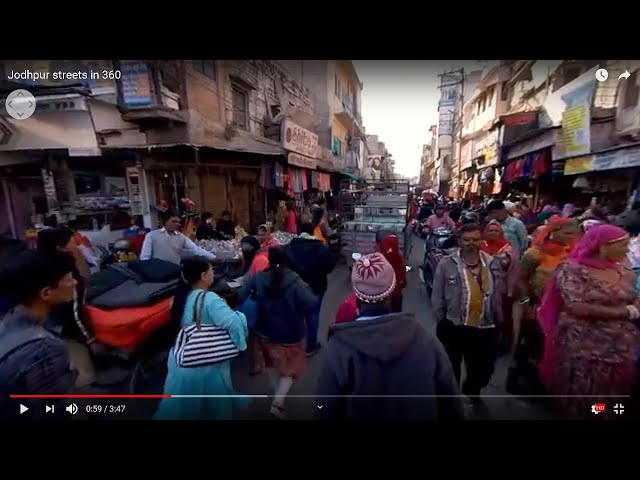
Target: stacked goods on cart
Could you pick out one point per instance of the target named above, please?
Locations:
(222, 249)
(283, 237)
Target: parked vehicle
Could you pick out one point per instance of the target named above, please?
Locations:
(440, 242)
(383, 206)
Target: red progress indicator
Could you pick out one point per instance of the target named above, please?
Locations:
(89, 396)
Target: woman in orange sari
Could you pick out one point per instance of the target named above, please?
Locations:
(495, 244)
(552, 244)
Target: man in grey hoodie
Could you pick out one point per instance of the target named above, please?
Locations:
(384, 366)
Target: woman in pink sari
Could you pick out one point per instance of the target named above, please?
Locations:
(587, 314)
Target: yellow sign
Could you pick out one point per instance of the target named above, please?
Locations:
(576, 130)
(577, 165)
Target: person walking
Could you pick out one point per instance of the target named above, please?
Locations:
(284, 302)
(514, 230)
(389, 247)
(384, 365)
(313, 261)
(587, 315)
(466, 301)
(202, 307)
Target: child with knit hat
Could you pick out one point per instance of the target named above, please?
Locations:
(384, 365)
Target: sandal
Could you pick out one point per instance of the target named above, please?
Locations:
(278, 411)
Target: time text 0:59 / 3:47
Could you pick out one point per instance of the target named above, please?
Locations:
(97, 408)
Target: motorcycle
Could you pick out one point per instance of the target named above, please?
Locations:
(440, 242)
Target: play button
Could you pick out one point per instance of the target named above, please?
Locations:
(23, 409)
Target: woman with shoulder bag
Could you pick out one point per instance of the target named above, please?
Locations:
(212, 335)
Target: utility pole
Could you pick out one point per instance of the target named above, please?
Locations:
(455, 78)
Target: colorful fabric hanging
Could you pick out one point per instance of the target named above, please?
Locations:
(278, 171)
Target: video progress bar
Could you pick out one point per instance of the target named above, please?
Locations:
(161, 396)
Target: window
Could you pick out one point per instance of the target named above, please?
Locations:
(336, 147)
(239, 104)
(490, 94)
(504, 93)
(632, 91)
(205, 67)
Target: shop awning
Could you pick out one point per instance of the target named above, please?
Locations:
(352, 176)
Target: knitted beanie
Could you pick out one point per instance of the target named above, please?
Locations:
(373, 278)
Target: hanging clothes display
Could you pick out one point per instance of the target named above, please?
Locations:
(267, 177)
(324, 182)
(297, 180)
(278, 174)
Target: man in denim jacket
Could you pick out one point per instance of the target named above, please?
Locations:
(32, 360)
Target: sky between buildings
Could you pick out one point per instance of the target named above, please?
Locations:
(400, 103)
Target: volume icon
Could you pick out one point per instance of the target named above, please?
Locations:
(72, 409)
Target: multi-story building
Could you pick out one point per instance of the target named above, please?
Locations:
(337, 97)
(428, 159)
(479, 140)
(129, 135)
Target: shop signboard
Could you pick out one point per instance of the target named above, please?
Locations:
(623, 158)
(299, 140)
(450, 87)
(135, 84)
(487, 147)
(302, 161)
(135, 194)
(466, 155)
(578, 165)
(576, 120)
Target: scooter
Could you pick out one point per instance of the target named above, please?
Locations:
(440, 242)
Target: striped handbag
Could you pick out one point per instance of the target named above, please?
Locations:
(199, 345)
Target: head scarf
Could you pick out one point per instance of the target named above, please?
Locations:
(568, 210)
(585, 253)
(587, 249)
(589, 224)
(490, 245)
(555, 223)
(390, 249)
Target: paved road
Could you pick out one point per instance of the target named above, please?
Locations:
(302, 402)
(499, 406)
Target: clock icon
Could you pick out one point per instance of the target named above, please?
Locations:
(601, 75)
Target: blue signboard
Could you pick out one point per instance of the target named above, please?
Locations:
(136, 84)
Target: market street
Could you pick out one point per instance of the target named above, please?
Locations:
(415, 300)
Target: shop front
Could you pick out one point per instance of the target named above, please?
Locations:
(190, 179)
(607, 176)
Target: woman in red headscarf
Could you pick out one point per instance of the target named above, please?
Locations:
(587, 314)
(495, 244)
(390, 249)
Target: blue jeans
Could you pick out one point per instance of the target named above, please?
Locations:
(313, 325)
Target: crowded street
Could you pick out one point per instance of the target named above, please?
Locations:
(320, 240)
(502, 406)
